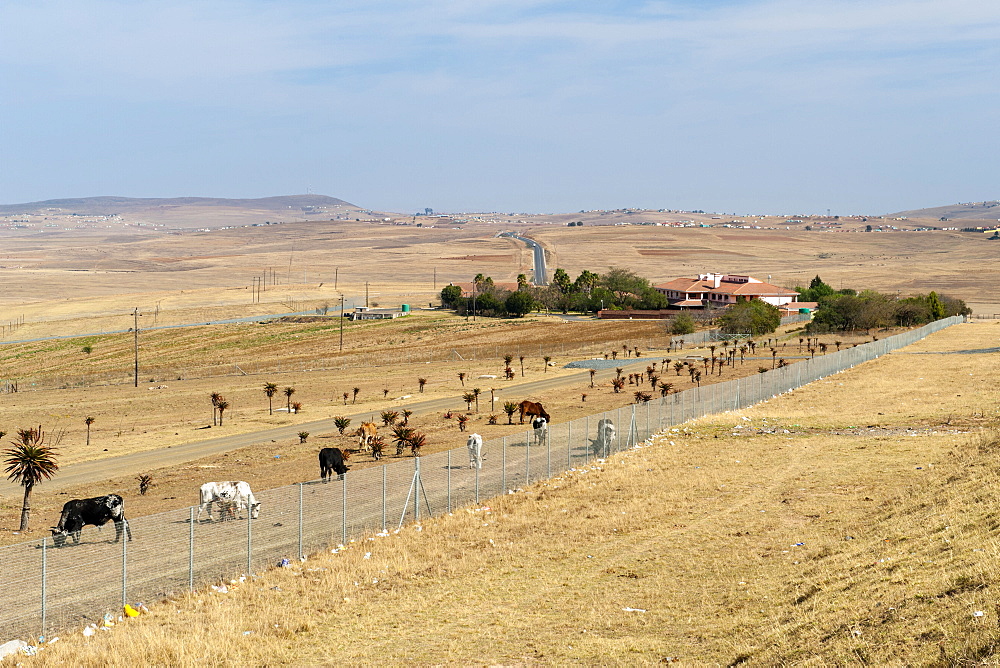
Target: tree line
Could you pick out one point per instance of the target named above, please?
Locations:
(617, 289)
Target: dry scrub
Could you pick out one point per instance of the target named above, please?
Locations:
(765, 540)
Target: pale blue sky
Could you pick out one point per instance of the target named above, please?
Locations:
(770, 106)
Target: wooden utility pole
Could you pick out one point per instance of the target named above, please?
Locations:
(366, 294)
(341, 323)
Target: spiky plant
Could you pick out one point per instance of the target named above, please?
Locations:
(401, 437)
(462, 420)
(145, 482)
(421, 382)
(296, 407)
(510, 407)
(303, 435)
(355, 390)
(389, 417)
(342, 423)
(270, 389)
(468, 398)
(28, 463)
(89, 420)
(288, 392)
(618, 384)
(221, 407)
(416, 441)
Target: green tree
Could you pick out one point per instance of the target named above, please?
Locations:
(586, 281)
(522, 281)
(936, 306)
(682, 323)
(753, 317)
(289, 391)
(451, 295)
(519, 303)
(510, 407)
(562, 281)
(28, 463)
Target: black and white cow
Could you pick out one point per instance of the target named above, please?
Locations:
(331, 460)
(98, 511)
(605, 436)
(540, 426)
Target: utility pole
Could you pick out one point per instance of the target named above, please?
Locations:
(366, 294)
(336, 272)
(341, 323)
(135, 342)
(435, 278)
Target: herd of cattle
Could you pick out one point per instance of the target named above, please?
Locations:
(234, 498)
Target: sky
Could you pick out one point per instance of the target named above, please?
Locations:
(736, 106)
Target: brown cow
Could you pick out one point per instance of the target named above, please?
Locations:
(532, 409)
(366, 433)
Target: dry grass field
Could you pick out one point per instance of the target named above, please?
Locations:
(166, 411)
(850, 521)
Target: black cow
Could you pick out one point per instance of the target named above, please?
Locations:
(98, 511)
(331, 460)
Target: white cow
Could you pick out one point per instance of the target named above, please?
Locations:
(231, 496)
(605, 436)
(541, 429)
(475, 445)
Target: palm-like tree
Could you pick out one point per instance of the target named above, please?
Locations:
(221, 406)
(461, 377)
(593, 372)
(462, 419)
(475, 393)
(215, 397)
(389, 418)
(618, 384)
(355, 390)
(507, 359)
(345, 398)
(28, 463)
(89, 420)
(510, 407)
(421, 382)
(547, 358)
(665, 388)
(416, 441)
(288, 392)
(406, 416)
(522, 366)
(342, 423)
(401, 436)
(468, 398)
(270, 389)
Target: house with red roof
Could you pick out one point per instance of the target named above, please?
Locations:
(720, 290)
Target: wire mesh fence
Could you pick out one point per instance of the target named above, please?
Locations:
(48, 589)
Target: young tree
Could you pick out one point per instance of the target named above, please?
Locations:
(462, 420)
(401, 437)
(618, 384)
(547, 359)
(215, 397)
(468, 398)
(416, 441)
(270, 389)
(593, 372)
(28, 463)
(89, 420)
(406, 416)
(355, 390)
(421, 382)
(519, 303)
(461, 378)
(522, 366)
(342, 423)
(475, 393)
(753, 316)
(510, 407)
(221, 407)
(389, 418)
(303, 435)
(289, 391)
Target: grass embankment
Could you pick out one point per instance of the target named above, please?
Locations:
(853, 520)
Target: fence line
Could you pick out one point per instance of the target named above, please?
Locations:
(47, 589)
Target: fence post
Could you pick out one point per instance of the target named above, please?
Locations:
(343, 508)
(586, 437)
(124, 567)
(449, 482)
(416, 489)
(503, 466)
(548, 454)
(569, 444)
(249, 544)
(383, 499)
(300, 522)
(191, 549)
(477, 488)
(44, 576)
(527, 457)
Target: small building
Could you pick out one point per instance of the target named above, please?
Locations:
(719, 290)
(366, 313)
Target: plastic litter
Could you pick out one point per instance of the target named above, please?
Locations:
(978, 613)
(284, 563)
(130, 611)
(13, 647)
(633, 610)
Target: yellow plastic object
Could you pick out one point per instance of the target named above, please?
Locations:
(130, 611)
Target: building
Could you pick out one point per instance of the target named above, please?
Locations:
(720, 290)
(365, 313)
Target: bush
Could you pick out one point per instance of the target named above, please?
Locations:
(753, 317)
(682, 323)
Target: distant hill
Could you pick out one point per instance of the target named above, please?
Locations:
(989, 211)
(95, 206)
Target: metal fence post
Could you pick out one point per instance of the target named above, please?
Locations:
(449, 488)
(527, 458)
(343, 508)
(503, 466)
(586, 437)
(383, 499)
(416, 489)
(249, 544)
(569, 444)
(548, 454)
(124, 567)
(44, 576)
(191, 549)
(449, 482)
(300, 522)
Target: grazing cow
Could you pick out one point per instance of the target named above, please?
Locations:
(331, 460)
(98, 511)
(605, 435)
(366, 433)
(532, 409)
(541, 429)
(232, 496)
(475, 445)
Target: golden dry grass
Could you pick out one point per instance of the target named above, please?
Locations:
(850, 521)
